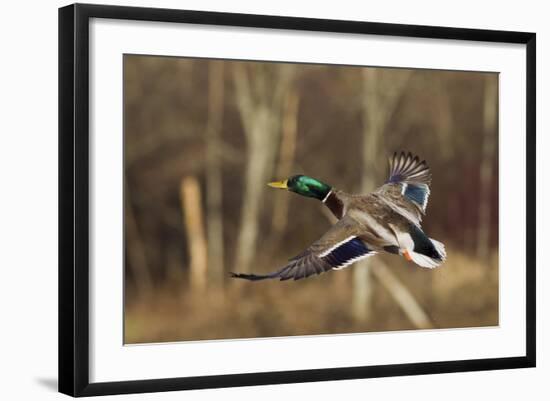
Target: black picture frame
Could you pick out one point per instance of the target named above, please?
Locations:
(74, 198)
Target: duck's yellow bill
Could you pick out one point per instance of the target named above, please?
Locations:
(279, 184)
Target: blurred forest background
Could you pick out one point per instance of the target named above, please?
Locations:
(203, 138)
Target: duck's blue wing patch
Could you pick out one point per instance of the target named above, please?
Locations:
(417, 193)
(346, 253)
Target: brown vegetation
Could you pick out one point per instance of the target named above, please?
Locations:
(463, 293)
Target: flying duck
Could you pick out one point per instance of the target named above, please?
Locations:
(386, 220)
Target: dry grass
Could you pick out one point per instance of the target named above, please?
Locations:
(462, 293)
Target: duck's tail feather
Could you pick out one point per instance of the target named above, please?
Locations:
(425, 252)
(434, 260)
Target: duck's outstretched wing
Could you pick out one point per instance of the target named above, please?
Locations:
(408, 186)
(338, 248)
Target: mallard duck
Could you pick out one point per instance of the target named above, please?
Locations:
(386, 220)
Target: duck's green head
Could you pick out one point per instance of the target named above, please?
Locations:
(304, 185)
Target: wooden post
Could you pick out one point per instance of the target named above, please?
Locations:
(193, 222)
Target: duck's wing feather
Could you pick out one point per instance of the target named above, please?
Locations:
(408, 186)
(338, 248)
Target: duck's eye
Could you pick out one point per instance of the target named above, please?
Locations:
(293, 180)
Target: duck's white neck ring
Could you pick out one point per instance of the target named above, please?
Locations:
(326, 197)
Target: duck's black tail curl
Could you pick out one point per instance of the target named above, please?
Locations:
(427, 252)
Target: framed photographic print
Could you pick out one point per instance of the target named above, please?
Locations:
(251, 199)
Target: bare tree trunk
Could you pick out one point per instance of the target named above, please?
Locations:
(362, 278)
(192, 219)
(487, 163)
(214, 188)
(379, 102)
(259, 99)
(136, 251)
(402, 296)
(286, 161)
